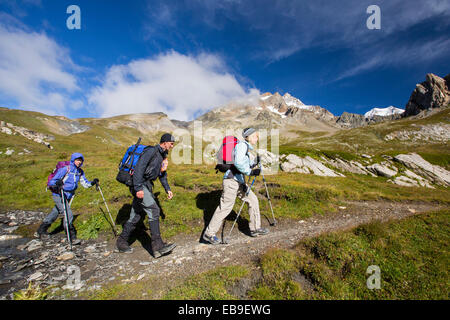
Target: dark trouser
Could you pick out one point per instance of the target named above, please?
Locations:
(147, 206)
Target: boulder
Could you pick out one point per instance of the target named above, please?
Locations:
(423, 182)
(349, 166)
(9, 152)
(307, 165)
(66, 256)
(382, 170)
(432, 93)
(269, 161)
(416, 163)
(405, 181)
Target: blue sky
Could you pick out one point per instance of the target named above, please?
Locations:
(186, 57)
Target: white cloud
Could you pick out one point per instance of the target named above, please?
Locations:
(34, 70)
(176, 84)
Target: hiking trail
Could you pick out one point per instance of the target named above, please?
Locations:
(49, 262)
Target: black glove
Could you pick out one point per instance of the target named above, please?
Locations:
(255, 172)
(94, 182)
(258, 159)
(59, 184)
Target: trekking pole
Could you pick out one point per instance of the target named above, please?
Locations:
(243, 202)
(274, 222)
(100, 189)
(66, 216)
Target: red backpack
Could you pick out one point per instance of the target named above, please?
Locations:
(59, 165)
(225, 155)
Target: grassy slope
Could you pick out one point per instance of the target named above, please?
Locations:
(339, 258)
(412, 255)
(196, 188)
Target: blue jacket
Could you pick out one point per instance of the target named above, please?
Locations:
(71, 177)
(241, 162)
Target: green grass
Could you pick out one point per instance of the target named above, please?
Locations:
(211, 285)
(196, 188)
(412, 255)
(120, 291)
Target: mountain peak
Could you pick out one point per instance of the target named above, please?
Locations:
(383, 112)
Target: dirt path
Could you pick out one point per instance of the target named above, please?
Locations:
(99, 265)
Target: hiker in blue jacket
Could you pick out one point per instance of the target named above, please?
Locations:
(67, 179)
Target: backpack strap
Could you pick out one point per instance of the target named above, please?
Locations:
(134, 150)
(67, 172)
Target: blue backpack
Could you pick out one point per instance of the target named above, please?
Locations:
(128, 163)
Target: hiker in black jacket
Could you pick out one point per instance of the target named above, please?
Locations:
(151, 165)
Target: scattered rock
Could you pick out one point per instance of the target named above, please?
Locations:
(36, 276)
(11, 229)
(60, 278)
(66, 256)
(140, 277)
(90, 249)
(7, 237)
(432, 132)
(27, 133)
(200, 248)
(33, 245)
(5, 281)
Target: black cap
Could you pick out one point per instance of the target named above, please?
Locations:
(167, 137)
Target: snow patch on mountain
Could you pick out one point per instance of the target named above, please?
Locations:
(384, 112)
(294, 102)
(274, 110)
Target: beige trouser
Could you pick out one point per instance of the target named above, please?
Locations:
(231, 189)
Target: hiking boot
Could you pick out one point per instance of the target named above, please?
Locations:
(122, 240)
(258, 232)
(42, 231)
(165, 249)
(211, 240)
(161, 248)
(122, 245)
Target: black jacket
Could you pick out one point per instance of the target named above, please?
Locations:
(148, 169)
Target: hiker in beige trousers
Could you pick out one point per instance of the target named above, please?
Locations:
(234, 186)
